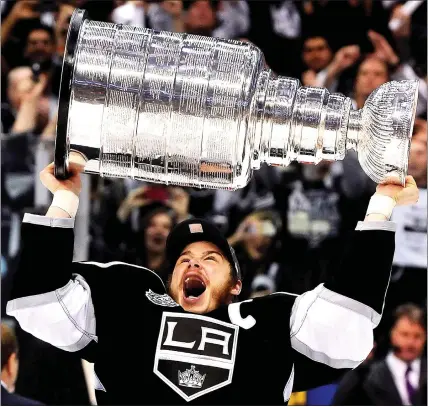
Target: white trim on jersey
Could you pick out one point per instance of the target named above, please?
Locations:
(115, 263)
(318, 314)
(64, 318)
(289, 386)
(46, 221)
(387, 225)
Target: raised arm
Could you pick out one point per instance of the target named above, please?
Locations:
(332, 325)
(46, 299)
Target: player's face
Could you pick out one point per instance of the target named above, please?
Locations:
(202, 279)
(409, 338)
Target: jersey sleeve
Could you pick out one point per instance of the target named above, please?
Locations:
(329, 330)
(52, 297)
(331, 327)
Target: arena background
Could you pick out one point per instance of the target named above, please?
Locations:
(298, 215)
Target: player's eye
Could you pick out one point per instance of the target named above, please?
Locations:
(184, 260)
(211, 258)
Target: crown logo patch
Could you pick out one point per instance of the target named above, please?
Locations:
(191, 378)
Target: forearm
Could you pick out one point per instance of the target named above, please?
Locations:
(47, 244)
(364, 272)
(6, 28)
(45, 257)
(26, 118)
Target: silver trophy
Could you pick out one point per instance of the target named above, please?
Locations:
(206, 112)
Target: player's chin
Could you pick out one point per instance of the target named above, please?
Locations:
(198, 305)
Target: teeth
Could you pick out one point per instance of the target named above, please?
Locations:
(188, 278)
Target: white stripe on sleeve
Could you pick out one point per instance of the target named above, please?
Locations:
(330, 328)
(64, 318)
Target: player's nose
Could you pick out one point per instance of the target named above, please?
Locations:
(194, 263)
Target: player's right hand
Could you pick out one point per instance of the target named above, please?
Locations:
(73, 183)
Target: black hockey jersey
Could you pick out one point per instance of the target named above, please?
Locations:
(147, 350)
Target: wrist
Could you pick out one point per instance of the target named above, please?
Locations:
(67, 201)
(380, 207)
(333, 69)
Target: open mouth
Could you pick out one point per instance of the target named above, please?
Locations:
(193, 287)
(158, 239)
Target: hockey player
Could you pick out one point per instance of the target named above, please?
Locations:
(190, 341)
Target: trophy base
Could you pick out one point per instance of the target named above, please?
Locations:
(61, 158)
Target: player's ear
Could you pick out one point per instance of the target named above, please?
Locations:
(236, 289)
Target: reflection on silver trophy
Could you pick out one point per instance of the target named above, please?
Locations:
(206, 112)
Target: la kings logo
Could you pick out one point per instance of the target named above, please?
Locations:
(195, 354)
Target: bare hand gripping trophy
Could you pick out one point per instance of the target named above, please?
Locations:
(205, 112)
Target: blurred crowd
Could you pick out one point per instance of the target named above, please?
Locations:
(288, 226)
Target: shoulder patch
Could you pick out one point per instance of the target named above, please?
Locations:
(163, 300)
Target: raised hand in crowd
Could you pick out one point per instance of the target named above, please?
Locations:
(179, 202)
(343, 59)
(309, 78)
(29, 107)
(404, 29)
(61, 27)
(346, 57)
(22, 10)
(49, 131)
(242, 231)
(382, 49)
(135, 199)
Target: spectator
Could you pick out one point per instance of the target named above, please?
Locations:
(22, 11)
(256, 244)
(375, 69)
(9, 370)
(40, 47)
(331, 74)
(372, 73)
(316, 55)
(29, 108)
(399, 70)
(200, 17)
(150, 244)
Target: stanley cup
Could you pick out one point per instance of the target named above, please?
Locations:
(206, 112)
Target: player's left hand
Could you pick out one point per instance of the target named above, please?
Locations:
(407, 195)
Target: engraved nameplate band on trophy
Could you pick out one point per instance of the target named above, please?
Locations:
(206, 112)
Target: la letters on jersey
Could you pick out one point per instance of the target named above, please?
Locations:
(195, 354)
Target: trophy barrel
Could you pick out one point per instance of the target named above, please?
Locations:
(162, 107)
